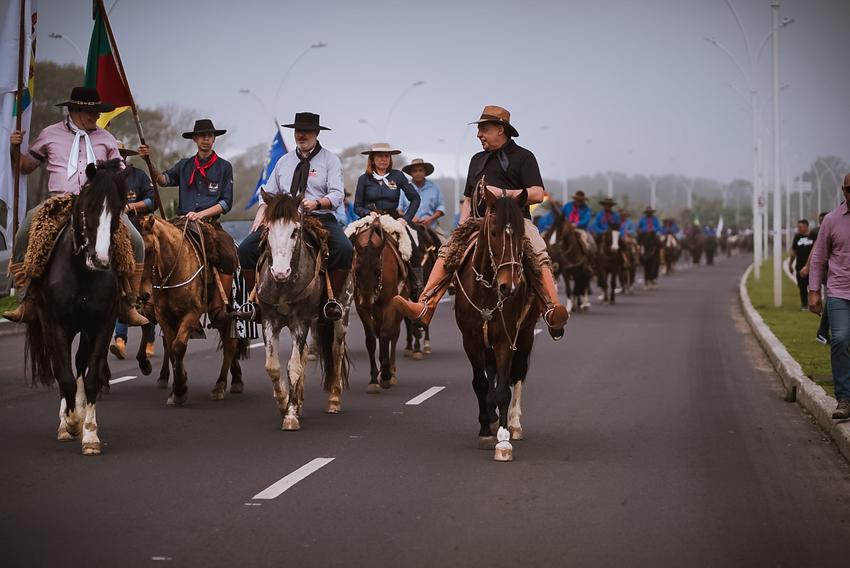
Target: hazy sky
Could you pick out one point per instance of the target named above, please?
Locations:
(629, 85)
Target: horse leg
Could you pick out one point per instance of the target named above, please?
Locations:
(165, 368)
(515, 412)
(271, 337)
(408, 346)
(486, 440)
(613, 288)
(371, 345)
(177, 352)
(142, 354)
(417, 346)
(426, 344)
(500, 394)
(228, 351)
(95, 349)
(384, 357)
(337, 380)
(295, 377)
(70, 389)
(393, 344)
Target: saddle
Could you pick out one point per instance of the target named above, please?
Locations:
(202, 236)
(49, 223)
(391, 227)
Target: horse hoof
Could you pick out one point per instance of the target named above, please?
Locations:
(394, 380)
(517, 433)
(312, 356)
(64, 436)
(373, 388)
(486, 442)
(237, 388)
(290, 424)
(218, 392)
(145, 367)
(386, 384)
(333, 407)
(426, 349)
(162, 383)
(408, 352)
(504, 452)
(174, 400)
(91, 449)
(418, 356)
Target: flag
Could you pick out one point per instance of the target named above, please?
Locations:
(276, 150)
(720, 227)
(102, 71)
(9, 45)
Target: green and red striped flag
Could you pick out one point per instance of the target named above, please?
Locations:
(102, 71)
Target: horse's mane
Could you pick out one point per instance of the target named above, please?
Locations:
(105, 182)
(507, 213)
(282, 207)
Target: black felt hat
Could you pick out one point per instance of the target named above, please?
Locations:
(203, 126)
(306, 121)
(86, 98)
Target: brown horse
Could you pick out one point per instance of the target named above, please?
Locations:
(419, 335)
(573, 254)
(182, 286)
(496, 310)
(379, 274)
(670, 252)
(609, 264)
(631, 258)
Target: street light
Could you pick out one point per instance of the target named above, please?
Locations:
(396, 103)
(262, 103)
(319, 45)
(72, 44)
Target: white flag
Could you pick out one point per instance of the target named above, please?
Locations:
(9, 45)
(720, 227)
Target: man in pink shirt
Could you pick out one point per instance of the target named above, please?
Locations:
(830, 262)
(66, 148)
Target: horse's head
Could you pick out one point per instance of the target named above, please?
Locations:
(282, 220)
(97, 212)
(611, 238)
(504, 231)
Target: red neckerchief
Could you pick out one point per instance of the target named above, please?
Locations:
(202, 169)
(574, 216)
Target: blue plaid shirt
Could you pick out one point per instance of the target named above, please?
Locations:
(431, 201)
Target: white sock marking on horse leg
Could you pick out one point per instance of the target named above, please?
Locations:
(62, 433)
(104, 231)
(90, 439)
(515, 411)
(615, 240)
(281, 394)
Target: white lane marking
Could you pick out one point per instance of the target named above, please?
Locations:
(122, 379)
(537, 330)
(424, 396)
(278, 487)
(255, 345)
(161, 558)
(253, 504)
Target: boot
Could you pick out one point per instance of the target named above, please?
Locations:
(127, 313)
(251, 310)
(119, 348)
(332, 309)
(25, 312)
(842, 411)
(219, 316)
(556, 315)
(423, 310)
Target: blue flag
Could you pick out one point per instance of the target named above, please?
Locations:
(276, 150)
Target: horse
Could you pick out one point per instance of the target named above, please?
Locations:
(650, 257)
(710, 249)
(609, 263)
(418, 342)
(696, 245)
(78, 294)
(573, 254)
(379, 275)
(181, 284)
(631, 259)
(496, 308)
(290, 292)
(670, 252)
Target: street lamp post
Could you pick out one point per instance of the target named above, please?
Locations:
(610, 184)
(653, 183)
(260, 101)
(396, 103)
(72, 44)
(319, 45)
(777, 155)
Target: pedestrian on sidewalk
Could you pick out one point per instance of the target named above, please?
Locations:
(822, 335)
(830, 261)
(801, 248)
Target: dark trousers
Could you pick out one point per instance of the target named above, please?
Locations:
(340, 250)
(803, 286)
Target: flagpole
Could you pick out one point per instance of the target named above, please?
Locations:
(19, 103)
(117, 56)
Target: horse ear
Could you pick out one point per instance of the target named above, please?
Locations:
(91, 171)
(266, 196)
(523, 197)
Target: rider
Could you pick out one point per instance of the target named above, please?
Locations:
(140, 200)
(315, 173)
(605, 219)
(627, 226)
(66, 148)
(206, 193)
(431, 206)
(670, 227)
(379, 192)
(649, 222)
(578, 211)
(510, 169)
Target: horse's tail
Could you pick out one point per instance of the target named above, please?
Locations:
(41, 367)
(326, 340)
(243, 351)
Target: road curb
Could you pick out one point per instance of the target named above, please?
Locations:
(798, 387)
(9, 328)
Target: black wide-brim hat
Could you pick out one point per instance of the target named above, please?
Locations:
(608, 201)
(306, 121)
(88, 99)
(203, 126)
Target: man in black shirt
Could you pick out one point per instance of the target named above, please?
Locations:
(801, 248)
(506, 167)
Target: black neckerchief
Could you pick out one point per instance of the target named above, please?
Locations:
(500, 154)
(302, 171)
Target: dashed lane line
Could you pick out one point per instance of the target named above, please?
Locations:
(275, 489)
(121, 379)
(537, 330)
(255, 345)
(424, 396)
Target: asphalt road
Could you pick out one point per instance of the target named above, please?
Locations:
(655, 436)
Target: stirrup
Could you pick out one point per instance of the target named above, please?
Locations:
(332, 302)
(249, 311)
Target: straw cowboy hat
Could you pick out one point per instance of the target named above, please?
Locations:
(86, 98)
(429, 168)
(203, 126)
(498, 115)
(306, 121)
(126, 152)
(381, 148)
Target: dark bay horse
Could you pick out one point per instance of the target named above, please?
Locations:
(650, 257)
(609, 264)
(710, 248)
(670, 252)
(379, 275)
(182, 285)
(696, 244)
(630, 251)
(573, 254)
(496, 310)
(291, 293)
(418, 335)
(78, 295)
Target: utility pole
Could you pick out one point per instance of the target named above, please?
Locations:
(777, 155)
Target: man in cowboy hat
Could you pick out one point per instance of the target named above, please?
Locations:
(670, 227)
(315, 173)
(577, 211)
(66, 148)
(431, 206)
(605, 219)
(205, 183)
(649, 222)
(509, 169)
(627, 225)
